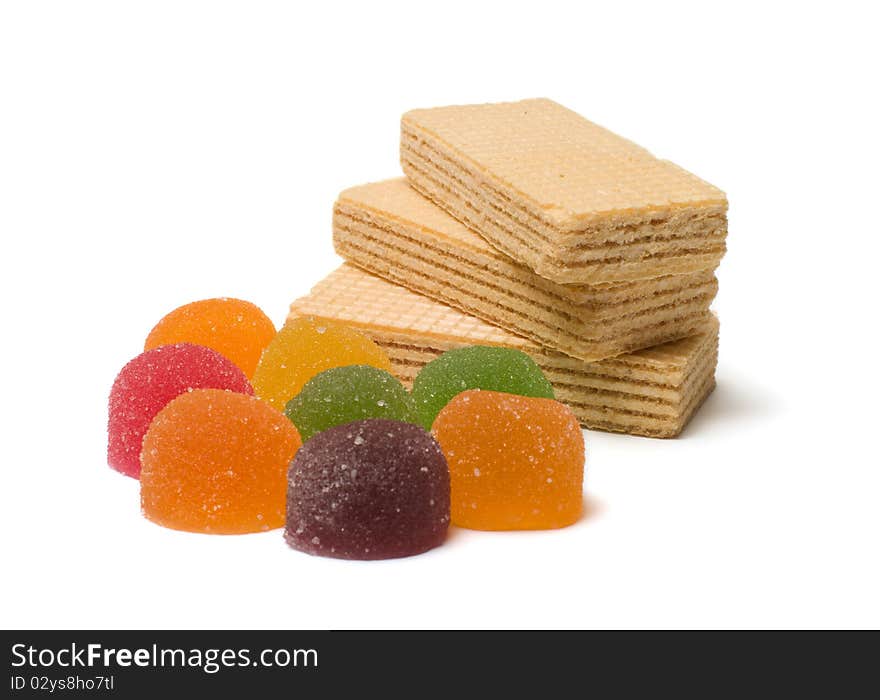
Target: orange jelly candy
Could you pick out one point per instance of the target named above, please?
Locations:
(305, 347)
(215, 461)
(515, 462)
(236, 329)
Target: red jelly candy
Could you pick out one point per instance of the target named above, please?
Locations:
(152, 379)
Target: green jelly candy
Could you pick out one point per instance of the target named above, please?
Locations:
(345, 394)
(476, 367)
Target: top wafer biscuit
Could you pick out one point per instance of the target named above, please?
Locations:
(570, 199)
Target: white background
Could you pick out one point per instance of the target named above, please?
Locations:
(154, 153)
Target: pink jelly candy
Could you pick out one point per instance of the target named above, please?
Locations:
(152, 379)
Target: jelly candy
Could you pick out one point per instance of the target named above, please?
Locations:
(515, 462)
(345, 394)
(236, 329)
(304, 347)
(371, 489)
(147, 383)
(476, 367)
(216, 462)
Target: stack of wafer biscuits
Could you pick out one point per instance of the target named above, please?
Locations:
(524, 225)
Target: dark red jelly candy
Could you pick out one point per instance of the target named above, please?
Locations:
(371, 489)
(149, 382)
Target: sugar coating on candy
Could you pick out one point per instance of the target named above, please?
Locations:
(305, 347)
(371, 489)
(148, 382)
(216, 462)
(345, 394)
(476, 367)
(235, 328)
(515, 462)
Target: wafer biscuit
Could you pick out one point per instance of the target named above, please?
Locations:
(389, 229)
(570, 199)
(651, 392)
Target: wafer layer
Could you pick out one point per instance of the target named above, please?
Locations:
(573, 201)
(389, 229)
(651, 392)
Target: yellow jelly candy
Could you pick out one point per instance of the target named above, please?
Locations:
(305, 347)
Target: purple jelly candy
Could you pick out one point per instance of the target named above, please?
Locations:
(371, 489)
